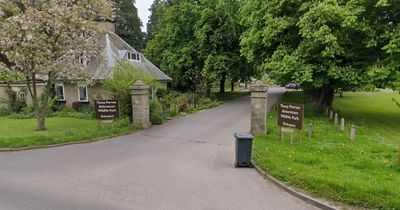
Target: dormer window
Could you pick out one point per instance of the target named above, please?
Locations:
(82, 61)
(133, 56)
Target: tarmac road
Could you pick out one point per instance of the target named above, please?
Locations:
(187, 163)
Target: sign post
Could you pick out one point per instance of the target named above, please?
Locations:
(106, 110)
(290, 116)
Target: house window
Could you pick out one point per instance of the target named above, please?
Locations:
(82, 61)
(133, 56)
(60, 93)
(22, 95)
(82, 93)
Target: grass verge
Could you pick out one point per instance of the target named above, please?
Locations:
(376, 112)
(362, 173)
(18, 133)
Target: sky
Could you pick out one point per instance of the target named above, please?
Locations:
(143, 7)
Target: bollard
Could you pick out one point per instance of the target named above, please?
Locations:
(331, 115)
(342, 124)
(353, 132)
(336, 118)
(327, 111)
(309, 131)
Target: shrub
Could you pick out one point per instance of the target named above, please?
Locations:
(124, 75)
(58, 106)
(156, 112)
(85, 113)
(14, 101)
(183, 103)
(162, 93)
(5, 112)
(79, 106)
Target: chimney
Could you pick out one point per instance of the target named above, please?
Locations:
(106, 25)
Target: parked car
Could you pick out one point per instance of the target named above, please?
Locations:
(292, 86)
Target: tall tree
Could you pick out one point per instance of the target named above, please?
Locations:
(128, 24)
(46, 40)
(173, 45)
(197, 42)
(218, 36)
(156, 10)
(323, 45)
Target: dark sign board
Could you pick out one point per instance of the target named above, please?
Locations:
(106, 109)
(290, 115)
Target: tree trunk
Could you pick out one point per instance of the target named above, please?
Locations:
(323, 97)
(41, 121)
(232, 85)
(222, 83)
(329, 96)
(320, 95)
(208, 88)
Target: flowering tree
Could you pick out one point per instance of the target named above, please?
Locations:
(45, 40)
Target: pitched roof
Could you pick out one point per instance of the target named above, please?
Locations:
(115, 49)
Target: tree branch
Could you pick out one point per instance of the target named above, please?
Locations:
(4, 59)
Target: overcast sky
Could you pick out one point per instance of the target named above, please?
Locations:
(143, 10)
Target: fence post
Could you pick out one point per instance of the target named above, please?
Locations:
(342, 124)
(353, 132)
(310, 130)
(336, 118)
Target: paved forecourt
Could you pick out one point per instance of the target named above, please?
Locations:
(186, 163)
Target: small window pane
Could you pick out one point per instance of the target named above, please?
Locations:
(22, 96)
(60, 92)
(83, 94)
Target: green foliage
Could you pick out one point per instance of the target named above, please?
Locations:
(14, 102)
(5, 112)
(156, 112)
(128, 24)
(6, 77)
(175, 103)
(27, 112)
(197, 42)
(124, 75)
(360, 173)
(324, 45)
(173, 46)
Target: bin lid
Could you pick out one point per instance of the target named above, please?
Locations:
(243, 135)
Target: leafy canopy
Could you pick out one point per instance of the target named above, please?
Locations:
(324, 45)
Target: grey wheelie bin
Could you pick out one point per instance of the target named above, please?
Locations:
(243, 147)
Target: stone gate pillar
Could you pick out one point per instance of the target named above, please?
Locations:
(259, 108)
(140, 104)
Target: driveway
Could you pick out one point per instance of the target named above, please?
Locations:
(186, 163)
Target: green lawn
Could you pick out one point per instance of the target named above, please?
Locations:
(362, 173)
(21, 133)
(376, 112)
